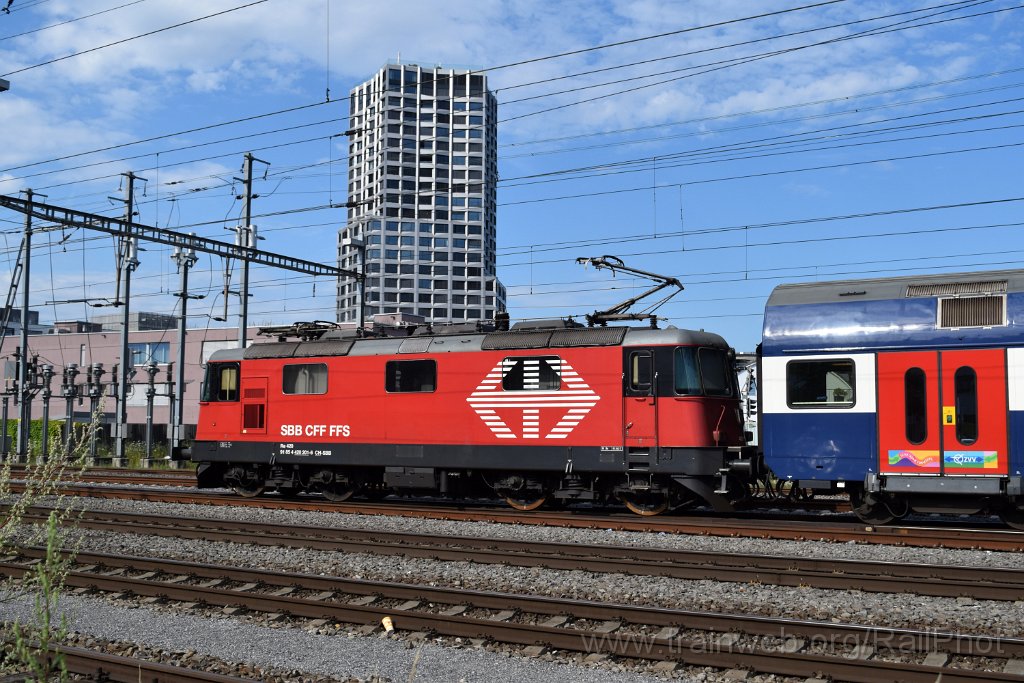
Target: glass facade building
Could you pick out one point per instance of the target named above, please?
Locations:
(422, 173)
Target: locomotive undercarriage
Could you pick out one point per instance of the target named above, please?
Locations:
(643, 492)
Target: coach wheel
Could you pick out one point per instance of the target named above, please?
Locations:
(1013, 518)
(876, 510)
(645, 504)
(526, 504)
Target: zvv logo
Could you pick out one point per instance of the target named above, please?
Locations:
(573, 402)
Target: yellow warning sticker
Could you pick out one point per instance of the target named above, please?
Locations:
(948, 415)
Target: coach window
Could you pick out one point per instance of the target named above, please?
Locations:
(221, 383)
(531, 373)
(307, 378)
(687, 372)
(915, 396)
(402, 376)
(821, 383)
(965, 386)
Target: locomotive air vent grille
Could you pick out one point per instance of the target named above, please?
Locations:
(958, 288)
(598, 336)
(515, 340)
(415, 345)
(972, 311)
(271, 350)
(258, 392)
(324, 347)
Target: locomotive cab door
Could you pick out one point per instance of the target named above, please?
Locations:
(942, 413)
(640, 409)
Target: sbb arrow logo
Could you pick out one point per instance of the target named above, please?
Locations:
(573, 400)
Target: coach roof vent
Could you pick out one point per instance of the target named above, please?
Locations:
(972, 311)
(958, 288)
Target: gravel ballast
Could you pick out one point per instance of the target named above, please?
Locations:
(446, 528)
(304, 651)
(340, 657)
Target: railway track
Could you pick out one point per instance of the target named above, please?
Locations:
(103, 666)
(148, 477)
(725, 641)
(871, 576)
(806, 528)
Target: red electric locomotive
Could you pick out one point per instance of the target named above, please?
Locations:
(543, 410)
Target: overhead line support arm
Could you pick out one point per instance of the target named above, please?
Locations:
(63, 218)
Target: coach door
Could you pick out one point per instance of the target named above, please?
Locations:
(641, 400)
(942, 412)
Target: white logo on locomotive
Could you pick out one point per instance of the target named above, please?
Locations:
(573, 402)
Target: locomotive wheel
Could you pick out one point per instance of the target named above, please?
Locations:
(338, 492)
(245, 481)
(645, 504)
(249, 489)
(1013, 518)
(526, 504)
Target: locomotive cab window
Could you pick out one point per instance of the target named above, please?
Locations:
(403, 376)
(307, 378)
(221, 382)
(687, 372)
(716, 372)
(531, 373)
(703, 371)
(821, 383)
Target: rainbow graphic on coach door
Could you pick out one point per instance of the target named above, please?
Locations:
(917, 460)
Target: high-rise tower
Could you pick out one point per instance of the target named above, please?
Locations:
(422, 171)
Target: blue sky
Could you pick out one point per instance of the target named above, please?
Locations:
(842, 140)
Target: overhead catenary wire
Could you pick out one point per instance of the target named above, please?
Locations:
(131, 38)
(70, 21)
(738, 114)
(319, 103)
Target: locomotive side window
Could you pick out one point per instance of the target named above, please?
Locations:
(915, 393)
(401, 376)
(641, 372)
(965, 386)
(716, 372)
(820, 384)
(531, 373)
(307, 378)
(687, 372)
(221, 383)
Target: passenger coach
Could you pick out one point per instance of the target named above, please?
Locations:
(906, 392)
